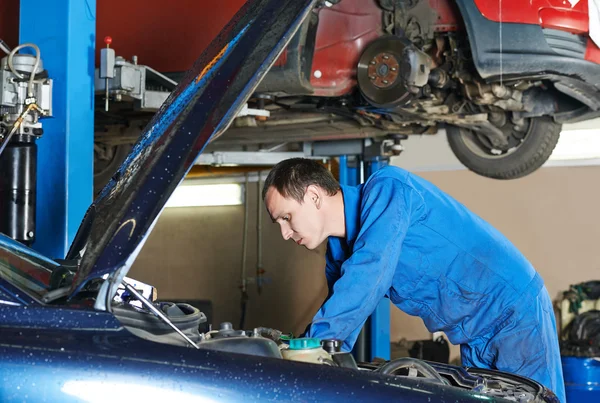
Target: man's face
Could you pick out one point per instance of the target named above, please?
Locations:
(301, 222)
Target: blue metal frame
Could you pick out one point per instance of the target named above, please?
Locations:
(65, 31)
(378, 325)
(348, 174)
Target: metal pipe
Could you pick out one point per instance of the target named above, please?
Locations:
(362, 170)
(245, 234)
(259, 207)
(17, 124)
(207, 171)
(303, 120)
(4, 47)
(157, 312)
(244, 298)
(106, 95)
(362, 342)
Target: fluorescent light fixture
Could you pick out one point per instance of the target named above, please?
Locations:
(225, 194)
(577, 145)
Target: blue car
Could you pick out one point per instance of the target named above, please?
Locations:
(77, 330)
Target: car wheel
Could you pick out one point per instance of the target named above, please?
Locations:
(529, 145)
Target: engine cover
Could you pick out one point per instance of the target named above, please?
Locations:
(391, 72)
(241, 342)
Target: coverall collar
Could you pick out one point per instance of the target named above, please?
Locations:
(351, 195)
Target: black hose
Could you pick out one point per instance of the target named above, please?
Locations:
(274, 334)
(406, 362)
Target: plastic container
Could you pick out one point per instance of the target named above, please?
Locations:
(306, 350)
(582, 379)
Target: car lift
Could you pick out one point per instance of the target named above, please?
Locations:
(65, 32)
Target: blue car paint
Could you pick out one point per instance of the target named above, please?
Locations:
(12, 296)
(73, 354)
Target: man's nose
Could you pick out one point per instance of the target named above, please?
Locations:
(286, 232)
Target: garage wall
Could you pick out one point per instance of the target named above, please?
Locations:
(552, 216)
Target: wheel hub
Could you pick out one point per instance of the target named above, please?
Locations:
(383, 70)
(380, 78)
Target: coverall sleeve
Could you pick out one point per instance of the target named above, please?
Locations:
(367, 274)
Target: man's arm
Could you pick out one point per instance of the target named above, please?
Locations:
(332, 274)
(367, 275)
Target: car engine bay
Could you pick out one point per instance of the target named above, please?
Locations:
(144, 322)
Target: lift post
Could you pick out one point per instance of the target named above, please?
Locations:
(65, 31)
(374, 340)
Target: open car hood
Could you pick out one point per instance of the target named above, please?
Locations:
(201, 108)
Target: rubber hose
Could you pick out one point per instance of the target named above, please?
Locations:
(406, 362)
(35, 65)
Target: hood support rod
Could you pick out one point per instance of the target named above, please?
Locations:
(157, 312)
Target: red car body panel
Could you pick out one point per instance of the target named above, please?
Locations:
(343, 33)
(552, 14)
(345, 30)
(555, 14)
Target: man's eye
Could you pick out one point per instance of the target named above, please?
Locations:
(286, 218)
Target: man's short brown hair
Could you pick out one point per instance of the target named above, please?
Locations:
(292, 177)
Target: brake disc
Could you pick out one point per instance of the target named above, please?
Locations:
(381, 73)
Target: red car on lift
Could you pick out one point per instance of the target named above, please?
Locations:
(501, 77)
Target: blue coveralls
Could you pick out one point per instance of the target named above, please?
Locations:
(433, 258)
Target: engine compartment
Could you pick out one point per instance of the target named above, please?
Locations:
(272, 343)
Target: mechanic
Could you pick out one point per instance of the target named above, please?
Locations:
(398, 236)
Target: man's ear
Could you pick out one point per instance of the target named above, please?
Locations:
(314, 196)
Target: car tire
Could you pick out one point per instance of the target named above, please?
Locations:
(532, 152)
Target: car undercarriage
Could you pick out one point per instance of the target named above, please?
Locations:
(385, 70)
